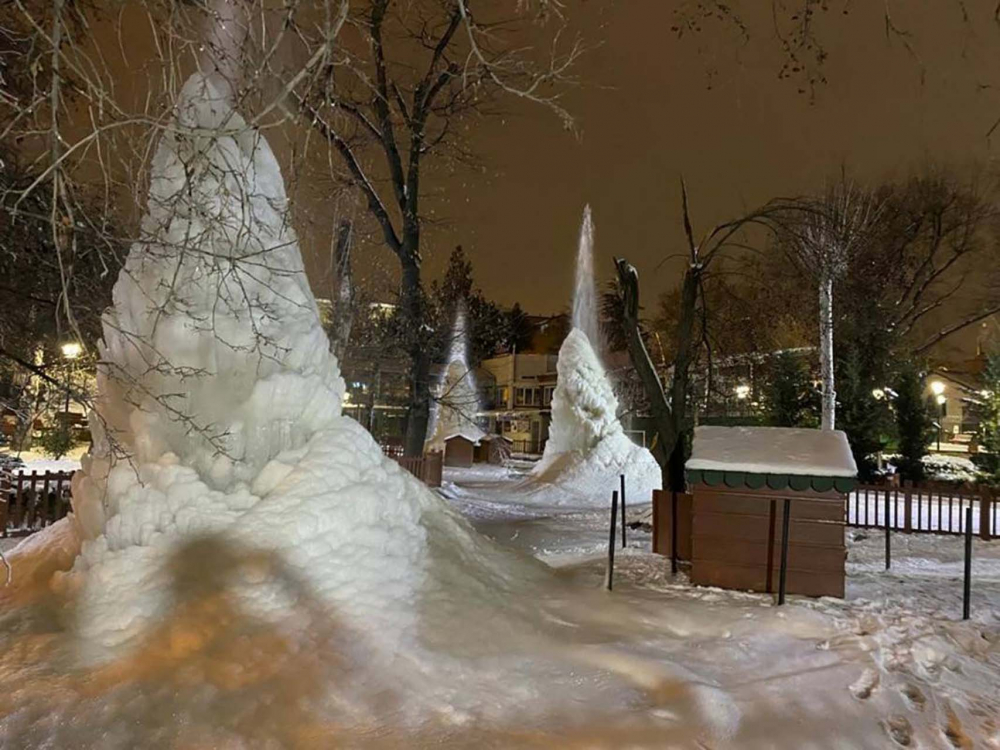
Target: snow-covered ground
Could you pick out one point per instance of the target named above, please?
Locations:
(890, 665)
(36, 461)
(661, 664)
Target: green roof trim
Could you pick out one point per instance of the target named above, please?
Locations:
(797, 482)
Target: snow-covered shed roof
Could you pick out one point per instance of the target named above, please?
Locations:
(772, 451)
(472, 435)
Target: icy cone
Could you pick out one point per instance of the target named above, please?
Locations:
(587, 448)
(219, 386)
(456, 401)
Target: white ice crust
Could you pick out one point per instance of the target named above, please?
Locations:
(772, 450)
(587, 448)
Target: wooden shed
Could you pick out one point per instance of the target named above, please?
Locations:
(459, 450)
(739, 478)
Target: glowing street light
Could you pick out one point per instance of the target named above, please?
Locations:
(742, 391)
(71, 350)
(937, 388)
(878, 394)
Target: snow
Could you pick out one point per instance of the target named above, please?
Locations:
(772, 450)
(587, 448)
(950, 469)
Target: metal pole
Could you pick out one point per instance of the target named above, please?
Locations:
(611, 541)
(622, 478)
(784, 551)
(673, 533)
(940, 425)
(967, 585)
(888, 537)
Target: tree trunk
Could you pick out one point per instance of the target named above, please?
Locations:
(344, 306)
(826, 353)
(418, 413)
(668, 416)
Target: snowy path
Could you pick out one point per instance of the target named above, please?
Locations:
(891, 665)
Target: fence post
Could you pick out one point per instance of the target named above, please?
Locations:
(985, 513)
(783, 572)
(907, 509)
(622, 478)
(611, 541)
(967, 583)
(888, 536)
(673, 532)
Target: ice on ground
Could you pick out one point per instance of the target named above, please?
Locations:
(772, 450)
(587, 448)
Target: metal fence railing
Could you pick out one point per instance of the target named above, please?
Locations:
(929, 510)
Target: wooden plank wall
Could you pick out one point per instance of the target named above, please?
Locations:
(661, 523)
(736, 540)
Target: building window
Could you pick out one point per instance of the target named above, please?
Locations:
(527, 397)
(547, 398)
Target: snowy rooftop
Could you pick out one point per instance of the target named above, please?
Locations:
(772, 450)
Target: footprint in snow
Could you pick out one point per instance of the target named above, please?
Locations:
(914, 697)
(899, 730)
(862, 687)
(953, 731)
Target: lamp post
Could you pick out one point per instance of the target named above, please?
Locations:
(70, 351)
(742, 392)
(937, 388)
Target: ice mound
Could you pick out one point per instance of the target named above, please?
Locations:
(218, 382)
(587, 449)
(456, 399)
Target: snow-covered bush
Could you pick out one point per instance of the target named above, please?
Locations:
(950, 469)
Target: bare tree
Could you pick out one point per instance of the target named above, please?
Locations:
(401, 95)
(670, 405)
(828, 232)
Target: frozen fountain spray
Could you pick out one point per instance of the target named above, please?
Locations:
(585, 290)
(587, 448)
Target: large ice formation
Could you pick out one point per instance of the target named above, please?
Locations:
(587, 448)
(219, 384)
(456, 399)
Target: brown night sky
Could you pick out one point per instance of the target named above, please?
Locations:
(648, 115)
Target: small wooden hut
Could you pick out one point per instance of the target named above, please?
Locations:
(739, 478)
(459, 450)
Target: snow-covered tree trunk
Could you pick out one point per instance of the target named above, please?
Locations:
(826, 352)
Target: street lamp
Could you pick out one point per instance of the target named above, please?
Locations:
(70, 351)
(742, 391)
(942, 400)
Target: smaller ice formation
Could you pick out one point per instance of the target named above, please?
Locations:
(456, 400)
(587, 448)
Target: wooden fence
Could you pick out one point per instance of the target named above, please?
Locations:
(29, 501)
(926, 509)
(427, 468)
